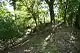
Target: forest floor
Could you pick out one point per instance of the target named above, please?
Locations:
(62, 39)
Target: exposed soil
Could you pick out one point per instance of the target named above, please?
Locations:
(63, 39)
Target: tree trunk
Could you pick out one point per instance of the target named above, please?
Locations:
(51, 13)
(14, 4)
(65, 12)
(77, 21)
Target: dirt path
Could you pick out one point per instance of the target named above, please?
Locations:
(47, 41)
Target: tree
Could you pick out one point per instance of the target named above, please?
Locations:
(14, 3)
(77, 20)
(51, 4)
(68, 10)
(8, 29)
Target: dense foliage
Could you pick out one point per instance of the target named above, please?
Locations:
(29, 14)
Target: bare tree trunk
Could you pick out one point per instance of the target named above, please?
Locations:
(51, 13)
(50, 4)
(77, 21)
